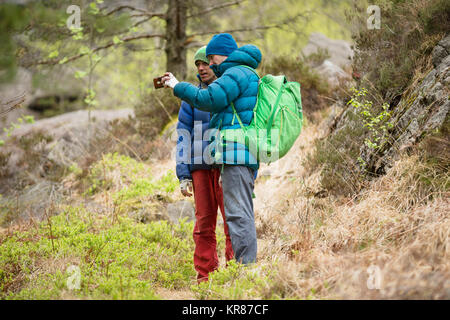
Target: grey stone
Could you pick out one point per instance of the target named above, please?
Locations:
(340, 51)
(333, 73)
(441, 51)
(72, 132)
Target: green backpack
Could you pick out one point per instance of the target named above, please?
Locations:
(277, 119)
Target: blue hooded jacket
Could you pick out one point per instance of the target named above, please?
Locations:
(191, 126)
(236, 84)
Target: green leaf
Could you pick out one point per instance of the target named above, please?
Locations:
(53, 54)
(117, 40)
(96, 57)
(63, 60)
(75, 29)
(93, 8)
(84, 50)
(80, 74)
(29, 119)
(78, 36)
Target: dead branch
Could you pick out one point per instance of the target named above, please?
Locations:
(15, 103)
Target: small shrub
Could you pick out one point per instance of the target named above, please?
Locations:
(374, 118)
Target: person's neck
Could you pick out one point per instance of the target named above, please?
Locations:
(210, 81)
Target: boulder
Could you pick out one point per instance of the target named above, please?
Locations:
(333, 73)
(58, 142)
(340, 51)
(441, 51)
(72, 132)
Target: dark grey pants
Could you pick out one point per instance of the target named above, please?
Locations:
(238, 183)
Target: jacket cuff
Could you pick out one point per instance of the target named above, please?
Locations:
(184, 178)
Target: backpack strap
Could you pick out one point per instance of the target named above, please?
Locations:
(237, 116)
(275, 106)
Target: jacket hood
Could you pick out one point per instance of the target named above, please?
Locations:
(248, 55)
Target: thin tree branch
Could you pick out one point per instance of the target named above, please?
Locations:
(278, 25)
(235, 30)
(142, 12)
(109, 44)
(12, 104)
(219, 6)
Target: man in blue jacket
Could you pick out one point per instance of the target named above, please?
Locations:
(203, 179)
(236, 88)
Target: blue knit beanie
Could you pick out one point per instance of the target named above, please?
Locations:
(222, 44)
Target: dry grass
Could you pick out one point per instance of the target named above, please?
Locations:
(331, 248)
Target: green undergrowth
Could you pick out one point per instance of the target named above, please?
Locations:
(129, 183)
(114, 169)
(127, 177)
(80, 255)
(238, 281)
(115, 258)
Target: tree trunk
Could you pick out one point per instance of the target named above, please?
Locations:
(176, 38)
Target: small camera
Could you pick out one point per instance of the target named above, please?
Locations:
(157, 82)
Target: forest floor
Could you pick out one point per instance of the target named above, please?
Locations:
(386, 242)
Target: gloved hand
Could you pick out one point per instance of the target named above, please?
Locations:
(169, 80)
(186, 186)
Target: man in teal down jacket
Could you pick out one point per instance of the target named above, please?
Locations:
(237, 85)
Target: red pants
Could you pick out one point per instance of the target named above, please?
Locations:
(208, 198)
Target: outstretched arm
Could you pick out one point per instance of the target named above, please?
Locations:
(216, 97)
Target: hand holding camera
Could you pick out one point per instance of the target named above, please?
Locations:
(167, 80)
